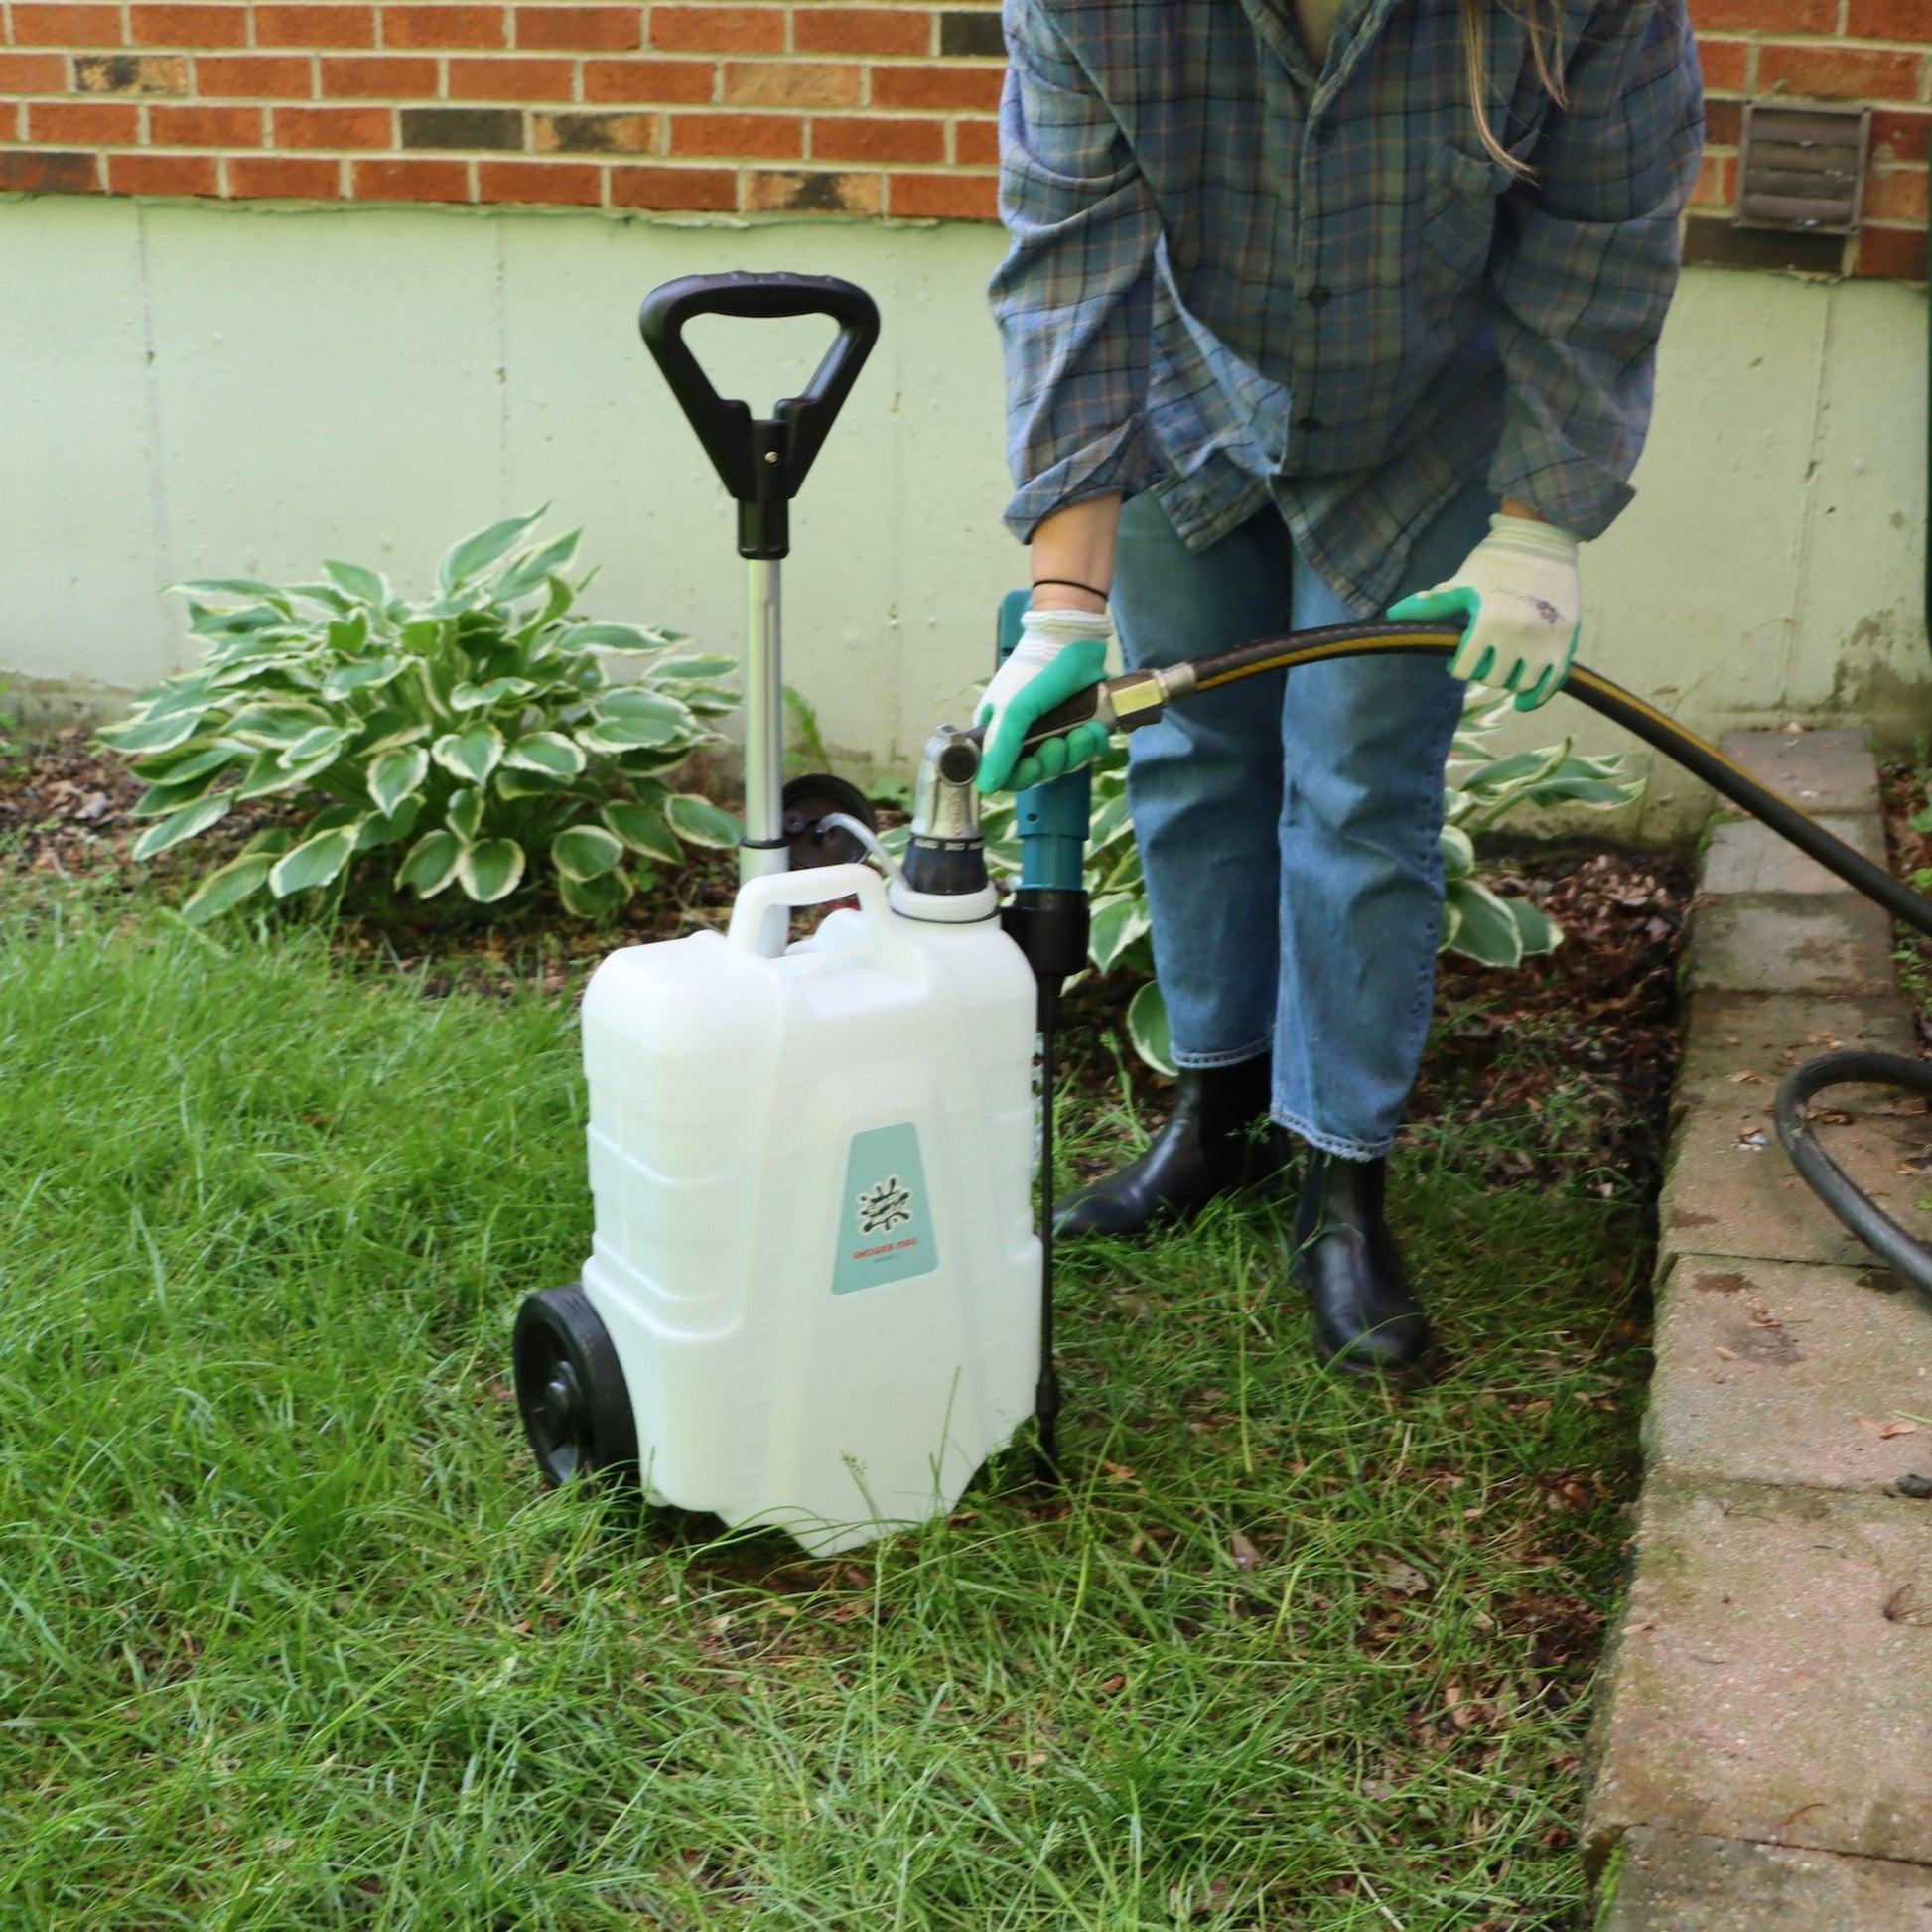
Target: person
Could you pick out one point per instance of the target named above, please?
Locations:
(1313, 309)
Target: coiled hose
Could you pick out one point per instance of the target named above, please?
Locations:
(1142, 696)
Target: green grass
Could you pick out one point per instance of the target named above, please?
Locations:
(291, 1638)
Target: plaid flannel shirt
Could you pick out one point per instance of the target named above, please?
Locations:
(1234, 278)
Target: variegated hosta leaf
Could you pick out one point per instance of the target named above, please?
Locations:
(630, 730)
(1147, 1028)
(158, 800)
(540, 567)
(395, 774)
(1116, 924)
(1538, 931)
(591, 899)
(221, 891)
(698, 668)
(277, 725)
(585, 851)
(630, 638)
(1459, 852)
(190, 761)
(465, 813)
(1485, 928)
(154, 734)
(510, 783)
(474, 554)
(391, 828)
(266, 775)
(491, 870)
(184, 824)
(695, 819)
(357, 582)
(470, 754)
(547, 751)
(479, 697)
(191, 692)
(316, 748)
(363, 674)
(430, 863)
(317, 861)
(644, 829)
(388, 727)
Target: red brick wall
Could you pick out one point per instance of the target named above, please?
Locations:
(840, 107)
(822, 106)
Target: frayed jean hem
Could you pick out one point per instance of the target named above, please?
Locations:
(1342, 1147)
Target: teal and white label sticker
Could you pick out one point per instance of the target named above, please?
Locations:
(885, 1226)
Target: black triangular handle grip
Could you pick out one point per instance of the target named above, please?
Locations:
(762, 462)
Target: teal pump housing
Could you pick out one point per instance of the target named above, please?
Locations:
(1051, 818)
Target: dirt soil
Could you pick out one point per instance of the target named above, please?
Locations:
(1576, 1050)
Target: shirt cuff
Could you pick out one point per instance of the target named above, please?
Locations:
(1124, 462)
(1557, 479)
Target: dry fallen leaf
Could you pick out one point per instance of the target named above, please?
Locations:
(1729, 1354)
(1905, 1605)
(1747, 1080)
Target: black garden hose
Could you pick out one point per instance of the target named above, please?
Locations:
(1139, 698)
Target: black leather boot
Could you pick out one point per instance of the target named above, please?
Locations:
(1217, 1139)
(1367, 1319)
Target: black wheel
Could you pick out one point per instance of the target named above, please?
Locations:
(570, 1391)
(806, 802)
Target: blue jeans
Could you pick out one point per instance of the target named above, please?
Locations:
(1288, 824)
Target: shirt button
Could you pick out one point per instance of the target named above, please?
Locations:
(1324, 131)
(1310, 423)
(1320, 298)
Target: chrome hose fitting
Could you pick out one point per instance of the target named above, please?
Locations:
(945, 852)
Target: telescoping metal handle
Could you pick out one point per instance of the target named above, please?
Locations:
(761, 460)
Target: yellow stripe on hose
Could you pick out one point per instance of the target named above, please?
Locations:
(1430, 640)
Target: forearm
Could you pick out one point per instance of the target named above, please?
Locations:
(1512, 506)
(1075, 547)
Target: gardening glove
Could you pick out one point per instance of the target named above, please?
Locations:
(1059, 652)
(1519, 590)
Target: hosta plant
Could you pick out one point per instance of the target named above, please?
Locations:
(1482, 788)
(473, 740)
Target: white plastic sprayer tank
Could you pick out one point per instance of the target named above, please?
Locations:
(812, 1175)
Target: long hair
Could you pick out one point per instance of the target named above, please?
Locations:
(1546, 51)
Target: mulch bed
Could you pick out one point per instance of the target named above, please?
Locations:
(1905, 790)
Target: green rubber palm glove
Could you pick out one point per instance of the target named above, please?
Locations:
(1059, 653)
(1520, 591)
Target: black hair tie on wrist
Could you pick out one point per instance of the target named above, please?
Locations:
(1073, 584)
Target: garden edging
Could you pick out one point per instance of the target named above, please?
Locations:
(1765, 1707)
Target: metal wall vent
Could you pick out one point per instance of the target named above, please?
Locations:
(1802, 167)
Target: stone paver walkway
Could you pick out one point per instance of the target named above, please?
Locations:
(1762, 1760)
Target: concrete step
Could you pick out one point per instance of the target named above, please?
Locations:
(1668, 1881)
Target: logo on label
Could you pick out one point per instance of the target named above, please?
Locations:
(887, 1207)
(885, 1223)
